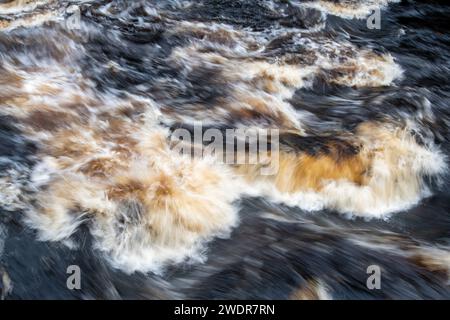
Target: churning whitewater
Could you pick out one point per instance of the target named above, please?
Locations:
(93, 94)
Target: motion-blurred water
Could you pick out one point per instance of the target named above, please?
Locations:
(90, 91)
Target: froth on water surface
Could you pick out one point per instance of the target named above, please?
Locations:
(91, 93)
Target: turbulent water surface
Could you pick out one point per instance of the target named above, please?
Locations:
(90, 92)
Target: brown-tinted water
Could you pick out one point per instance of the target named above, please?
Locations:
(91, 93)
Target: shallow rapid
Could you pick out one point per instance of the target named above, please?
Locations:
(92, 94)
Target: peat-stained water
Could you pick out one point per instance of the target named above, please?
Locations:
(90, 92)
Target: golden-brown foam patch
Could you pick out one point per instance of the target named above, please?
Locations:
(386, 174)
(300, 171)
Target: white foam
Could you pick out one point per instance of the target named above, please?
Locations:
(395, 181)
(349, 9)
(20, 6)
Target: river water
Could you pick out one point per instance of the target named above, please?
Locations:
(91, 92)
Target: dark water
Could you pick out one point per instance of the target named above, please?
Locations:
(197, 61)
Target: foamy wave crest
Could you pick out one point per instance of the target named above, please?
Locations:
(258, 92)
(145, 210)
(28, 14)
(21, 6)
(388, 173)
(346, 65)
(348, 9)
(106, 163)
